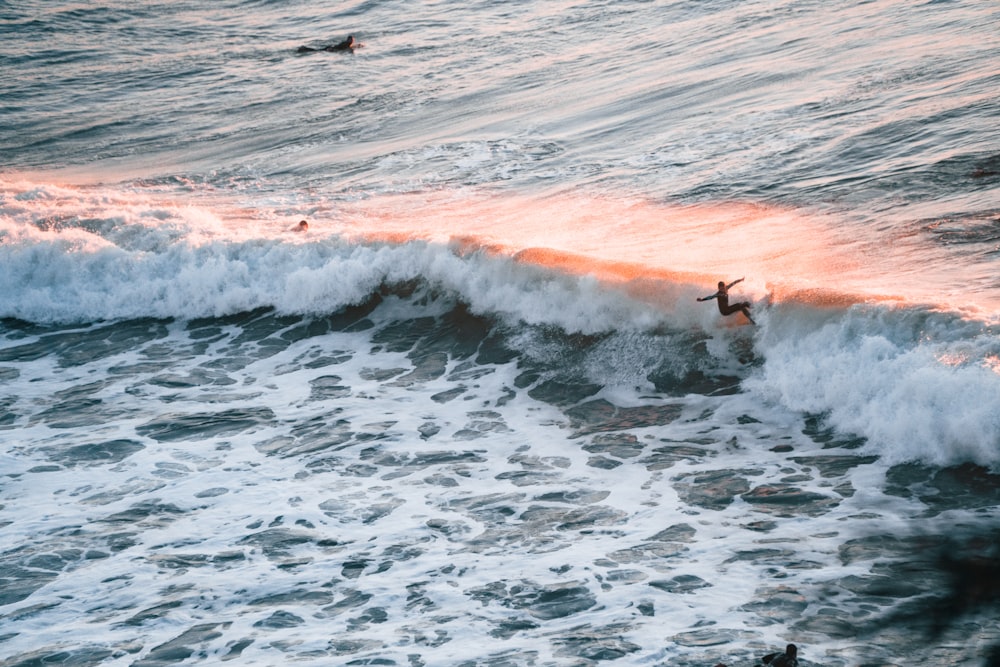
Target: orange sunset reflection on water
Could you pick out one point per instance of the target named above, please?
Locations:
(636, 245)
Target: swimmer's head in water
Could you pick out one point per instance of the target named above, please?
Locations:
(303, 225)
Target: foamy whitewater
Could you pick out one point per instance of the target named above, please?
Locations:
(475, 414)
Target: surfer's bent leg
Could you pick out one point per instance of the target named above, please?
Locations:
(741, 307)
(730, 308)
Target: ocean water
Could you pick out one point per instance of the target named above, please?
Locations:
(475, 415)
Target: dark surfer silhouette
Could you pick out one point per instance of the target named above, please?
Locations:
(790, 658)
(348, 44)
(724, 306)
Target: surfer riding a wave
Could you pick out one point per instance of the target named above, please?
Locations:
(724, 306)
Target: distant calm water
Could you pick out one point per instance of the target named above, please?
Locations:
(475, 414)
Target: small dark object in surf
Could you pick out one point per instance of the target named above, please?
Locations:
(787, 659)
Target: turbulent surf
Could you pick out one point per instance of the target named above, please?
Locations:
(475, 414)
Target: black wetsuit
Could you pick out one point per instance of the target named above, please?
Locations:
(787, 659)
(728, 309)
(347, 45)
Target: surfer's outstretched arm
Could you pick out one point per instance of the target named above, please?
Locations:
(708, 298)
(738, 280)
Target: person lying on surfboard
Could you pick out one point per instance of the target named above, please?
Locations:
(348, 44)
(724, 306)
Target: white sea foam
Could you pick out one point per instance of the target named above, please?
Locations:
(431, 578)
(918, 385)
(63, 264)
(726, 505)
